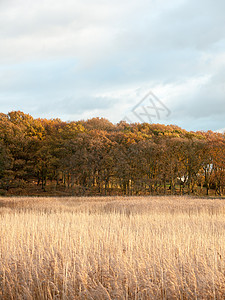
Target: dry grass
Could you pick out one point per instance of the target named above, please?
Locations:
(112, 248)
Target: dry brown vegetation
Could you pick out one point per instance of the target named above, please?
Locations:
(112, 248)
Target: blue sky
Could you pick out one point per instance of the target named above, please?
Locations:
(77, 59)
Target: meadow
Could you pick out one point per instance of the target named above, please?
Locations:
(112, 248)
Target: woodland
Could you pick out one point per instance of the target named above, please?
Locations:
(97, 157)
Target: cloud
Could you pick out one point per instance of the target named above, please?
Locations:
(83, 58)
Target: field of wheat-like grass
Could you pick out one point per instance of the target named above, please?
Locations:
(112, 248)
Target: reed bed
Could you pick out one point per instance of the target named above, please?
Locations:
(112, 248)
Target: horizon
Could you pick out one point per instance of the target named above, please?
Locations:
(220, 131)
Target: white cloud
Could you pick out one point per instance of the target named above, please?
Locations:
(103, 56)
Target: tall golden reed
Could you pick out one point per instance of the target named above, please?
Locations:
(112, 248)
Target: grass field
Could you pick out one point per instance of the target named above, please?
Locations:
(112, 248)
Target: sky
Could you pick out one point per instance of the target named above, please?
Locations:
(154, 61)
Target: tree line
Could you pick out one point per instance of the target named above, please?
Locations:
(96, 157)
